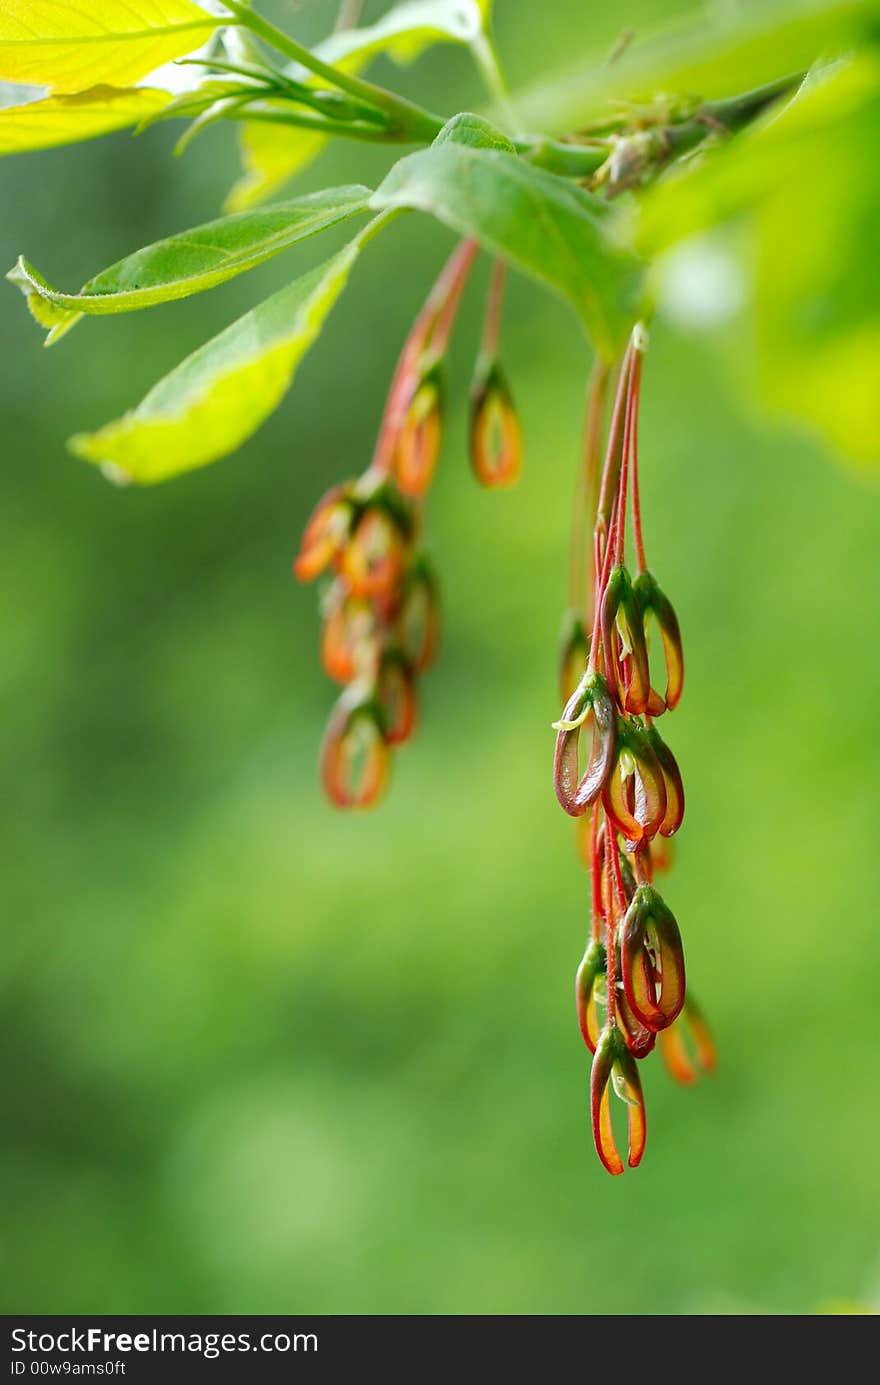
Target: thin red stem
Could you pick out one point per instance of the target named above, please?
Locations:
(494, 305)
(610, 472)
(448, 286)
(610, 959)
(636, 500)
(596, 871)
(449, 309)
(583, 575)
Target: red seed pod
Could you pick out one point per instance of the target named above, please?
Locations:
(396, 694)
(348, 636)
(421, 434)
(634, 765)
(591, 969)
(354, 756)
(326, 533)
(373, 560)
(495, 434)
(652, 601)
(656, 992)
(418, 623)
(672, 780)
(589, 705)
(675, 1046)
(621, 621)
(574, 653)
(614, 1065)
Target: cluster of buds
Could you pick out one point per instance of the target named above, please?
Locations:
(381, 611)
(625, 786)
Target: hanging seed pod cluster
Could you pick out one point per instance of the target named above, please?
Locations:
(381, 610)
(613, 770)
(615, 773)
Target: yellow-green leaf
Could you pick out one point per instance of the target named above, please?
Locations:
(69, 46)
(68, 119)
(191, 262)
(216, 398)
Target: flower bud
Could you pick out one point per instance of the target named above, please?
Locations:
(590, 705)
(591, 968)
(652, 601)
(614, 1065)
(396, 695)
(354, 756)
(325, 534)
(373, 560)
(495, 434)
(672, 780)
(634, 792)
(421, 433)
(649, 930)
(348, 634)
(418, 623)
(622, 621)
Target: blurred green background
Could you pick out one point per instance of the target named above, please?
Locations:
(262, 1057)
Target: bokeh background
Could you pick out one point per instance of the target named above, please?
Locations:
(261, 1057)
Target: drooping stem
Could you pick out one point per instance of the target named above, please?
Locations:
(447, 289)
(494, 305)
(465, 256)
(610, 951)
(626, 452)
(611, 471)
(596, 871)
(636, 497)
(582, 572)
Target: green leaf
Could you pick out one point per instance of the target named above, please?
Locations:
(216, 398)
(475, 131)
(731, 49)
(272, 154)
(70, 46)
(545, 226)
(68, 119)
(190, 262)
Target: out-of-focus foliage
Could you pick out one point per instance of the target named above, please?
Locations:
(262, 1057)
(806, 189)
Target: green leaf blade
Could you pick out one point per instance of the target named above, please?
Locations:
(216, 398)
(544, 226)
(192, 262)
